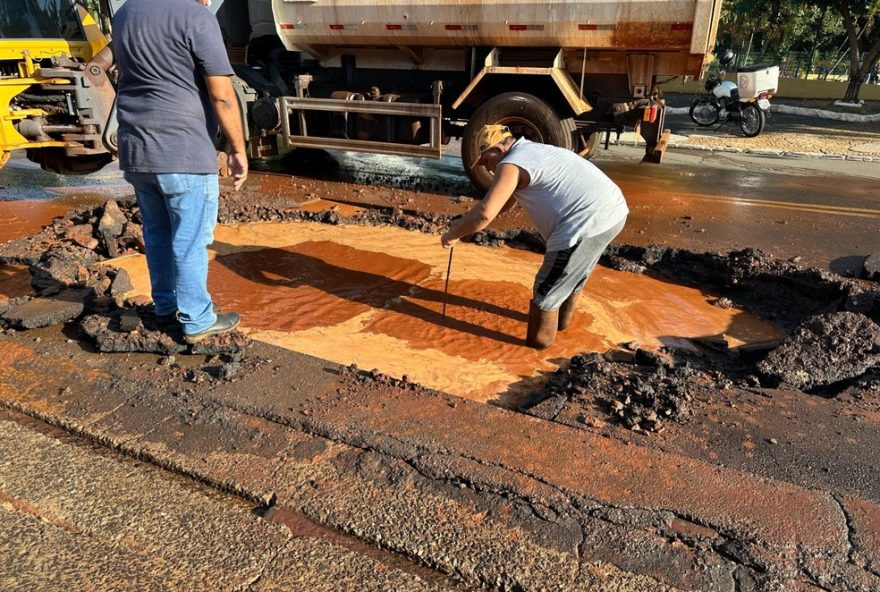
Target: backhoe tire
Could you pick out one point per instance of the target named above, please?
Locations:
(54, 160)
(526, 115)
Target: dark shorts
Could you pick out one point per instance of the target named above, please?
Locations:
(564, 273)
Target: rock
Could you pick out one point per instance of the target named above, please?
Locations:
(43, 312)
(723, 302)
(107, 333)
(657, 358)
(121, 284)
(81, 234)
(824, 350)
(620, 355)
(129, 322)
(62, 266)
(112, 221)
(871, 267)
(110, 227)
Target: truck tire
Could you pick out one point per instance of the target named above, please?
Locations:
(526, 115)
(589, 150)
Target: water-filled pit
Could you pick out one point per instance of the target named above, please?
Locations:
(373, 296)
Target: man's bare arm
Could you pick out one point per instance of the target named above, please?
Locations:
(482, 214)
(228, 115)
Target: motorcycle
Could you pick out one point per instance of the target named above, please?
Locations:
(725, 104)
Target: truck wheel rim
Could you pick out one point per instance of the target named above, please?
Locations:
(521, 127)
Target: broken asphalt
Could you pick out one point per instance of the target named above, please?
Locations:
(749, 491)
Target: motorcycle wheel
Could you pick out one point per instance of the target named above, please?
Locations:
(704, 111)
(751, 120)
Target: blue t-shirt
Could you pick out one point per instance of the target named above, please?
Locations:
(164, 49)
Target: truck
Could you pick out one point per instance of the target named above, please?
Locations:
(399, 77)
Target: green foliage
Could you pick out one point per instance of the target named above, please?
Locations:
(778, 27)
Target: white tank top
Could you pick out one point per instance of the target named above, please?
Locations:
(567, 197)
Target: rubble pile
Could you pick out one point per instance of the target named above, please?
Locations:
(780, 291)
(80, 237)
(825, 350)
(68, 282)
(137, 329)
(641, 391)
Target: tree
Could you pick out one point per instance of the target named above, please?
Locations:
(861, 20)
(768, 27)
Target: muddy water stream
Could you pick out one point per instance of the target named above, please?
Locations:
(373, 296)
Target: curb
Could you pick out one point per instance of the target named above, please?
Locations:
(774, 153)
(802, 111)
(822, 114)
(751, 151)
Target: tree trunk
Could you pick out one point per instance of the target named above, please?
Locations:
(854, 86)
(816, 37)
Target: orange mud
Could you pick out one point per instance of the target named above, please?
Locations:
(312, 284)
(24, 217)
(18, 219)
(15, 281)
(373, 296)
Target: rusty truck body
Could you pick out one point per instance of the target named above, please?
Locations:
(403, 76)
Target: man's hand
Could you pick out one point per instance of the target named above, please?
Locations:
(478, 217)
(446, 241)
(237, 165)
(229, 117)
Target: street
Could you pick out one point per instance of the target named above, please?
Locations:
(354, 439)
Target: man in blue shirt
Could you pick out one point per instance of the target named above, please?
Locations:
(174, 92)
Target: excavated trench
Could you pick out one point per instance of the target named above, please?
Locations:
(657, 329)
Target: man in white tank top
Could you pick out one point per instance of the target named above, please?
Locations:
(576, 208)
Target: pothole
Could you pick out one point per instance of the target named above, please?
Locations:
(367, 287)
(373, 296)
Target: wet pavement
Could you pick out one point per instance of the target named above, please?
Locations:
(303, 472)
(821, 212)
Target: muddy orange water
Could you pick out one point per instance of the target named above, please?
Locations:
(17, 219)
(23, 217)
(373, 296)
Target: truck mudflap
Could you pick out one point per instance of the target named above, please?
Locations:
(651, 130)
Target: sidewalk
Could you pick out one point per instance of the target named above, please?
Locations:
(791, 132)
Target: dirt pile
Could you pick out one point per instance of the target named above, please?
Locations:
(825, 350)
(79, 238)
(63, 260)
(777, 290)
(641, 391)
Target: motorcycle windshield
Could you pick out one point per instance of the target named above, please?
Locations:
(39, 19)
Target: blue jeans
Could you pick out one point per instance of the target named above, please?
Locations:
(179, 212)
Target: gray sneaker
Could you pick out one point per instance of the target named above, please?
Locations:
(226, 321)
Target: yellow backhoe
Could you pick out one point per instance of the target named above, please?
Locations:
(56, 97)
